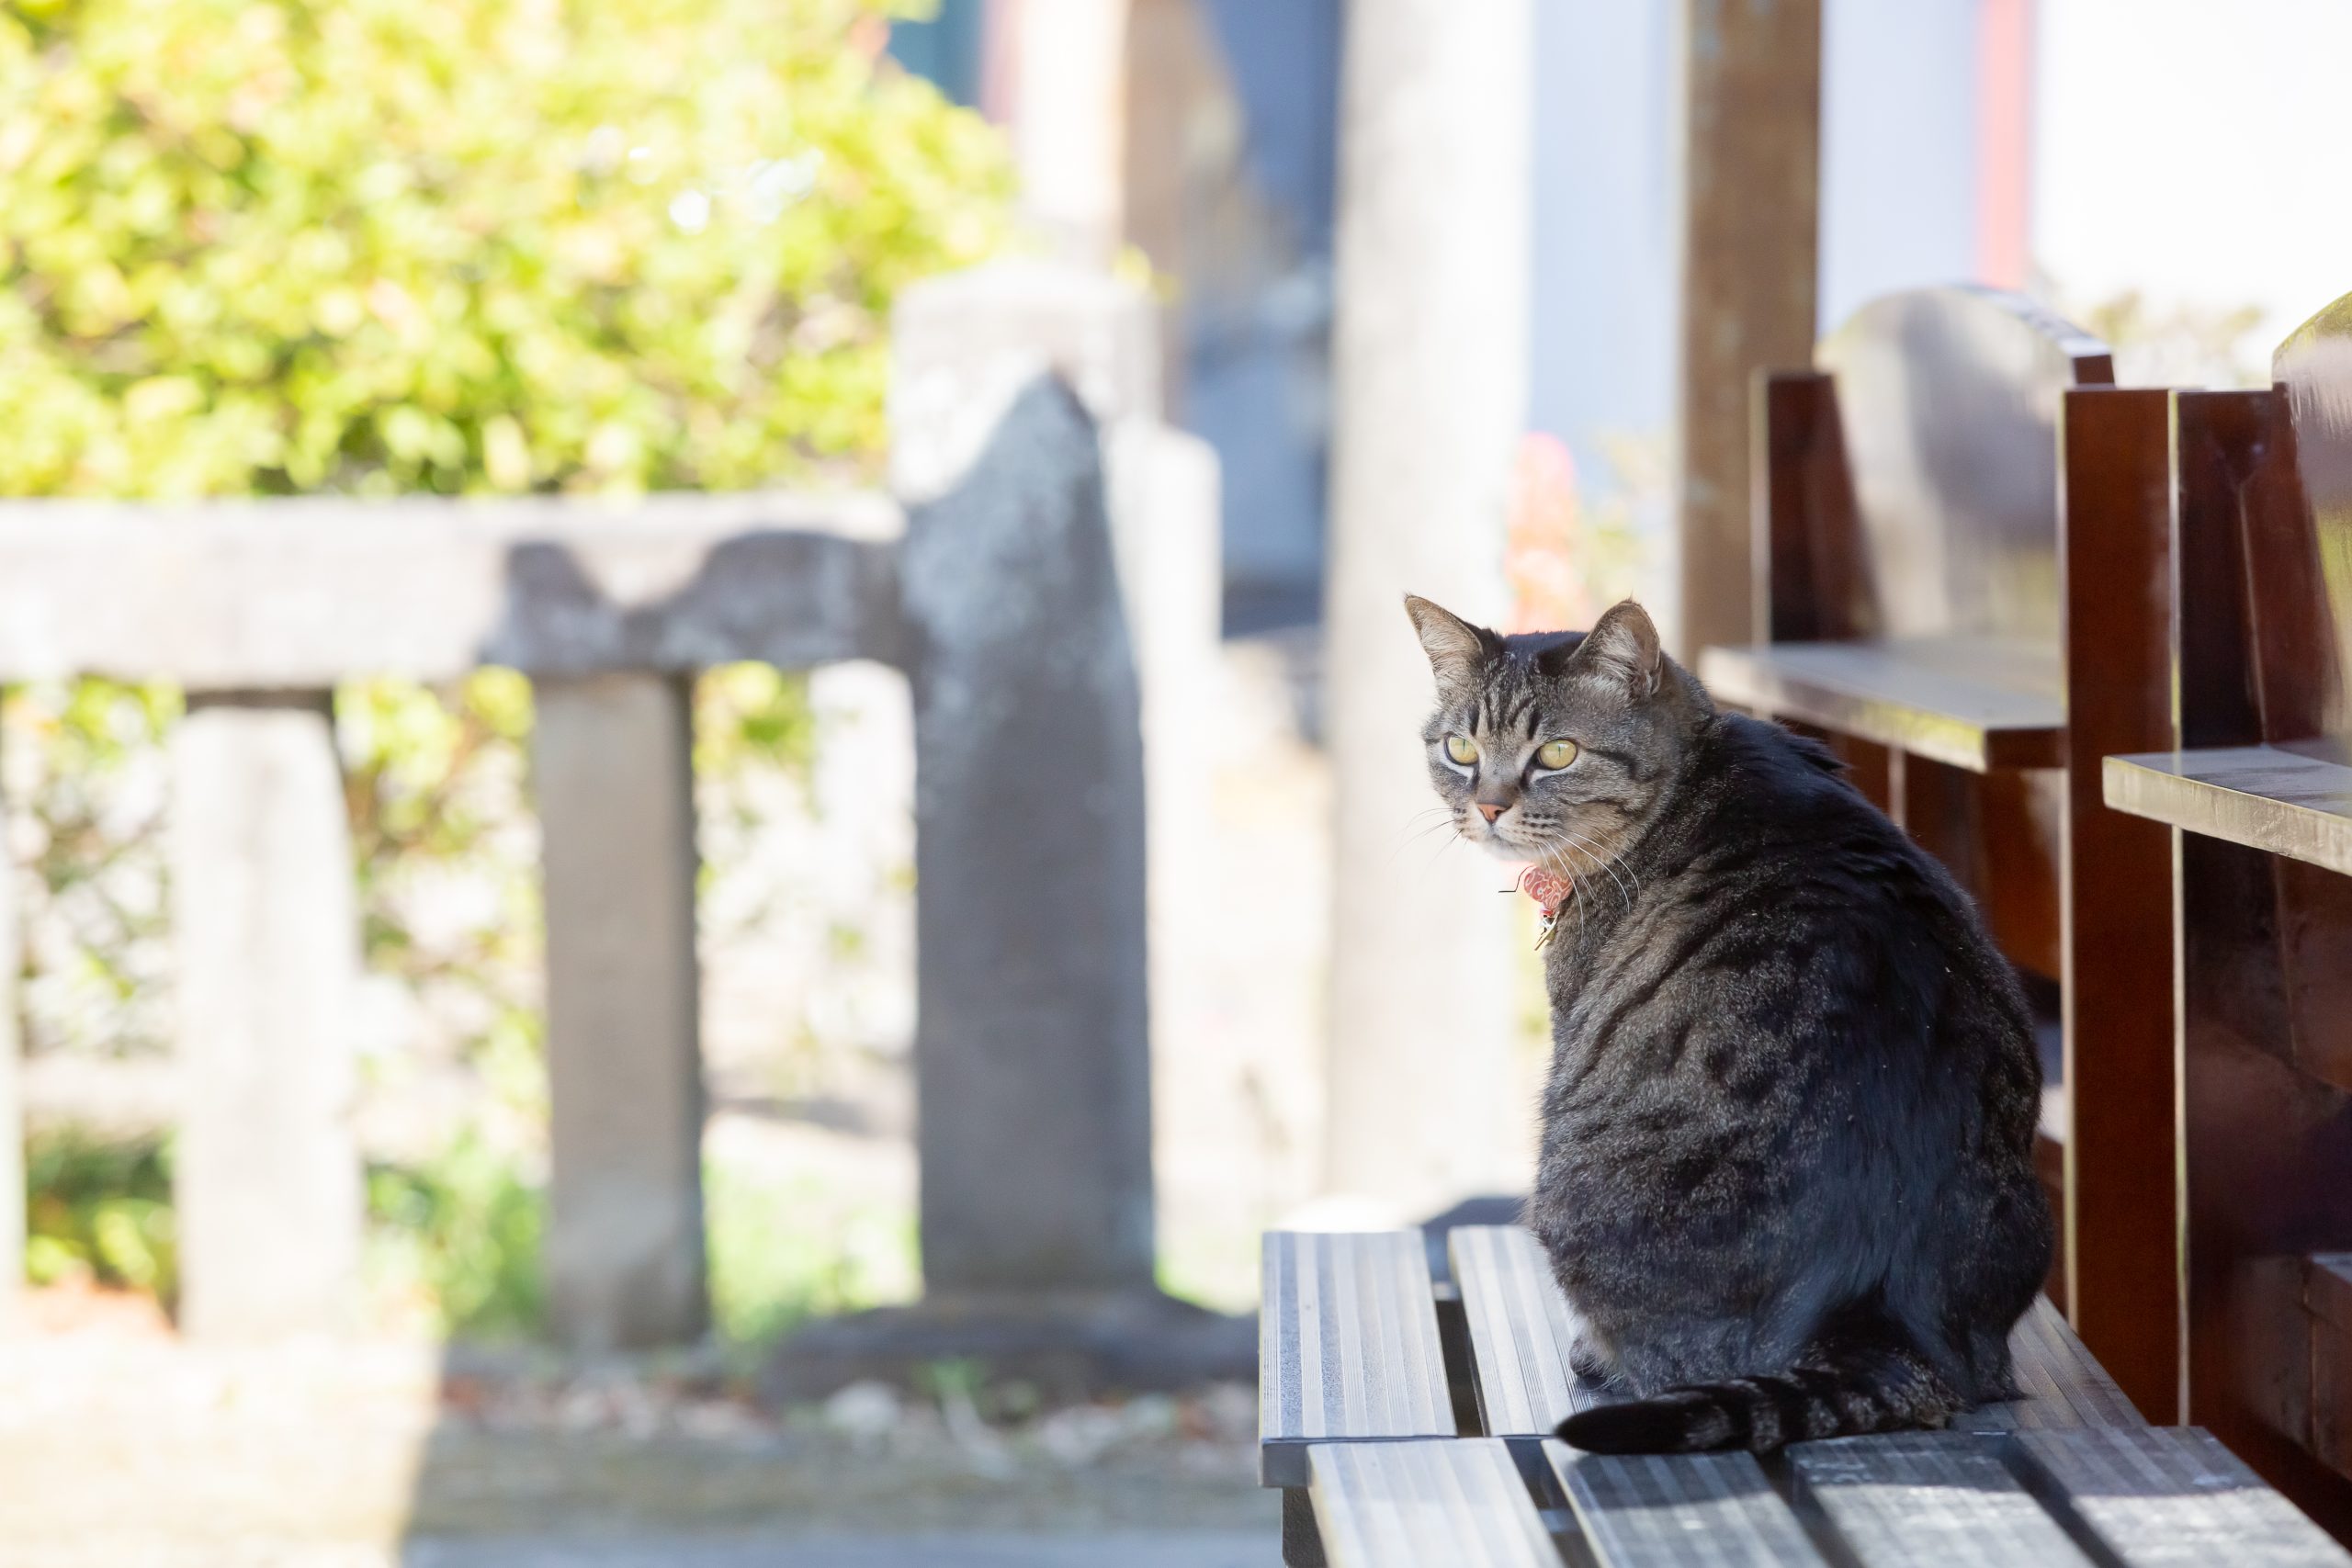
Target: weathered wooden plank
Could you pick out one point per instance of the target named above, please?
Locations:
(305, 591)
(1920, 1498)
(1347, 1346)
(1652, 1511)
(1521, 1328)
(2174, 1497)
(1520, 1331)
(1459, 1501)
(2263, 797)
(1977, 703)
(2064, 1384)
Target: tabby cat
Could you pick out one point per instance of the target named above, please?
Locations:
(1787, 1173)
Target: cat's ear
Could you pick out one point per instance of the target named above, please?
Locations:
(1456, 648)
(1623, 646)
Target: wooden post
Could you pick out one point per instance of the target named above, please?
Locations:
(613, 763)
(2122, 1240)
(1749, 220)
(1429, 373)
(2265, 1090)
(266, 1175)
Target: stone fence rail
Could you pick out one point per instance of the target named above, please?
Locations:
(997, 590)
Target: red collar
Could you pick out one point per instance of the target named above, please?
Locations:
(1548, 889)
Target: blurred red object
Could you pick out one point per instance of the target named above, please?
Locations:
(1547, 589)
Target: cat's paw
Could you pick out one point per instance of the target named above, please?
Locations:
(1589, 1365)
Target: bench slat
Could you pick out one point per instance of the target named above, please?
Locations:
(2174, 1497)
(1941, 1497)
(1347, 1346)
(1452, 1501)
(1972, 701)
(2063, 1385)
(1651, 1510)
(2262, 797)
(1519, 1331)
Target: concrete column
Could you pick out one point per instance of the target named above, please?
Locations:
(12, 1116)
(966, 346)
(266, 928)
(1430, 377)
(1032, 1070)
(612, 762)
(1061, 90)
(1165, 521)
(1751, 195)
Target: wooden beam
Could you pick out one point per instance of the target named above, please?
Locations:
(1752, 133)
(2121, 1215)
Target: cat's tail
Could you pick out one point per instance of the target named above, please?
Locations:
(1862, 1375)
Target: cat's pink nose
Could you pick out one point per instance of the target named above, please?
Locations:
(1491, 812)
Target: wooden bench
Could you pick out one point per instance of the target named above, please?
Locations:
(2259, 796)
(1959, 524)
(1407, 1412)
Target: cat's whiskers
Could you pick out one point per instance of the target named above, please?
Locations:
(1444, 845)
(1425, 831)
(1580, 846)
(1592, 851)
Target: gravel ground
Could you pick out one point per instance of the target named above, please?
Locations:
(120, 1445)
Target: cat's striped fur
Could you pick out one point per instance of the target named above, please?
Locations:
(1786, 1177)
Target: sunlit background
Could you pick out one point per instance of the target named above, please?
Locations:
(511, 247)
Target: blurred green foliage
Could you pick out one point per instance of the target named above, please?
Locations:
(770, 1267)
(454, 246)
(100, 1210)
(458, 1237)
(461, 1235)
(376, 246)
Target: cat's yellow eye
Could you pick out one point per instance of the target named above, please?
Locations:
(1461, 749)
(1556, 754)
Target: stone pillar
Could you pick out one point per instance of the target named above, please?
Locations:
(1751, 195)
(266, 1172)
(12, 1116)
(1031, 1057)
(1430, 377)
(611, 762)
(1165, 521)
(966, 346)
